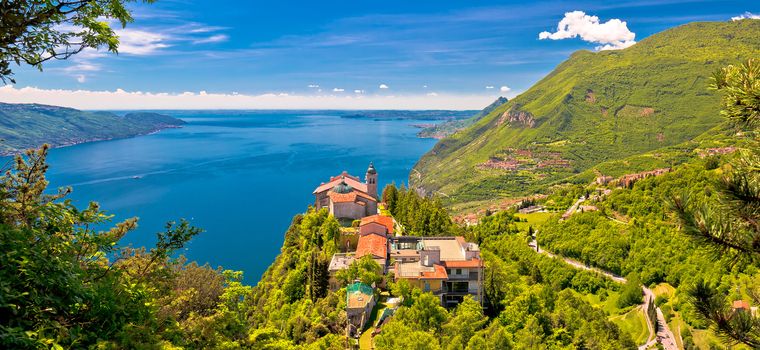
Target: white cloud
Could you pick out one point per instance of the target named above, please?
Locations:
(613, 34)
(383, 86)
(504, 88)
(338, 90)
(81, 78)
(120, 99)
(218, 38)
(358, 91)
(432, 94)
(489, 87)
(313, 86)
(424, 86)
(746, 15)
(140, 42)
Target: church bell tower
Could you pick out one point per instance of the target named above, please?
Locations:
(371, 179)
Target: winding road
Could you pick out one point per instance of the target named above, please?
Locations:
(663, 335)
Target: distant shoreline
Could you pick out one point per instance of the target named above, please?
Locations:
(6, 153)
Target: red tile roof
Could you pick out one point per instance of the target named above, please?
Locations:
(472, 263)
(741, 304)
(336, 197)
(374, 245)
(335, 180)
(386, 221)
(438, 274)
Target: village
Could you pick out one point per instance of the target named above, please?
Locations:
(448, 267)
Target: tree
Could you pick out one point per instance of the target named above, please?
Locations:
(631, 293)
(65, 284)
(398, 335)
(729, 223)
(36, 31)
(467, 319)
(426, 313)
(365, 269)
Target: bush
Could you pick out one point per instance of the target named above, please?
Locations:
(660, 300)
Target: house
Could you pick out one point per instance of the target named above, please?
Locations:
(347, 197)
(338, 262)
(375, 246)
(360, 299)
(449, 267)
(377, 224)
(603, 180)
(531, 209)
(740, 305)
(628, 180)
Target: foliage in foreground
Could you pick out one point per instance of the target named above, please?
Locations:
(729, 222)
(36, 31)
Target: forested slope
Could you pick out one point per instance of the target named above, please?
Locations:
(594, 107)
(25, 126)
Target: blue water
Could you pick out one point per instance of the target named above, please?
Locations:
(239, 175)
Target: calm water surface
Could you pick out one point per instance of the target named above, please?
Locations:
(240, 175)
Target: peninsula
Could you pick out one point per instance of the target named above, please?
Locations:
(24, 126)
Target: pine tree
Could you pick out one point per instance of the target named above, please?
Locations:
(730, 224)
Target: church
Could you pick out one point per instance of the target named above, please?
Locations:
(347, 197)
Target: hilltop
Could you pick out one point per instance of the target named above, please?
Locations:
(595, 107)
(25, 126)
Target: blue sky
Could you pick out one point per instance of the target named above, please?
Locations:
(451, 49)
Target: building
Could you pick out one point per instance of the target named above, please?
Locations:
(375, 246)
(740, 305)
(378, 224)
(347, 197)
(360, 299)
(628, 180)
(449, 267)
(339, 261)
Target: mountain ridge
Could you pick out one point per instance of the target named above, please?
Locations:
(592, 108)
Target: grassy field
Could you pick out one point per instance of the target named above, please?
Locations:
(534, 219)
(633, 322)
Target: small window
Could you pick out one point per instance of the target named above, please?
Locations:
(459, 271)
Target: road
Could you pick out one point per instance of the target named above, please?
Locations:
(570, 211)
(664, 336)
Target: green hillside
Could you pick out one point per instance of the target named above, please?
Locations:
(595, 107)
(25, 126)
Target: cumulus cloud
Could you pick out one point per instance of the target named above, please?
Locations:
(489, 87)
(383, 86)
(121, 99)
(358, 91)
(504, 88)
(746, 15)
(612, 35)
(314, 86)
(81, 78)
(338, 90)
(218, 38)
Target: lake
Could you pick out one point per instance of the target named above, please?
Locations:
(240, 175)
